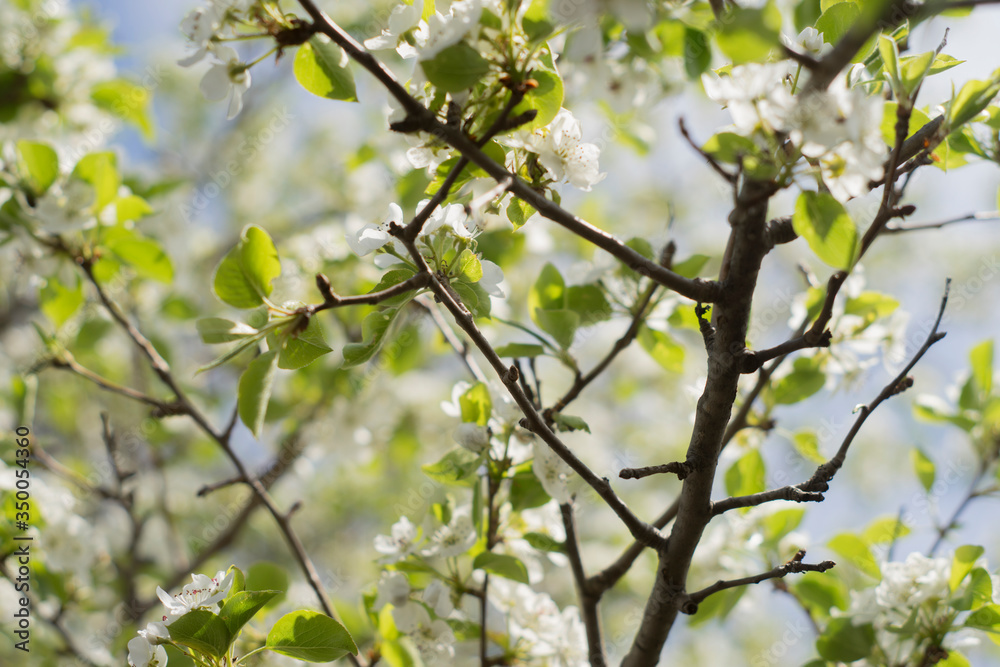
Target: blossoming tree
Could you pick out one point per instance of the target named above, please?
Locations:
(364, 278)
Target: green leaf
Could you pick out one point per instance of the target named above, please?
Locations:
(546, 98)
(132, 207)
(259, 259)
(843, 642)
(39, 163)
(535, 21)
(821, 592)
(697, 53)
(943, 62)
(692, 266)
(807, 445)
(240, 608)
(266, 576)
(455, 467)
(202, 631)
(971, 100)
(871, 306)
(242, 346)
(502, 565)
(569, 423)
(520, 350)
(58, 302)
(476, 404)
(977, 592)
(239, 581)
(928, 410)
(255, 390)
(749, 35)
(373, 330)
(232, 286)
(856, 551)
(986, 617)
(885, 530)
(518, 212)
(146, 257)
(805, 380)
(129, 101)
(837, 20)
(730, 147)
(549, 290)
(310, 636)
(913, 70)
(981, 358)
(779, 524)
(392, 278)
(305, 347)
(962, 563)
(100, 170)
(890, 58)
(924, 468)
(560, 323)
(825, 224)
(456, 68)
(526, 491)
(321, 67)
(469, 266)
(215, 330)
(747, 475)
(543, 542)
(665, 350)
(589, 302)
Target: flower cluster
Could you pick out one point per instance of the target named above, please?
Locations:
(204, 592)
(837, 130)
(206, 28)
(914, 607)
(562, 153)
(448, 226)
(432, 36)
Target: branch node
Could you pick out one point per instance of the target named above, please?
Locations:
(680, 468)
(511, 376)
(325, 290)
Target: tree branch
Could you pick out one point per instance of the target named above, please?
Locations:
(791, 493)
(420, 118)
(588, 598)
(794, 566)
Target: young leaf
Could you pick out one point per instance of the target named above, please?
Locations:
(825, 224)
(304, 347)
(310, 636)
(321, 67)
(129, 101)
(665, 350)
(856, 552)
(100, 170)
(259, 259)
(518, 212)
(962, 563)
(843, 642)
(456, 68)
(476, 404)
(454, 468)
(241, 607)
(39, 163)
(549, 290)
(924, 468)
(59, 303)
(569, 423)
(807, 445)
(214, 330)
(981, 358)
(373, 330)
(502, 565)
(202, 631)
(232, 286)
(747, 475)
(560, 323)
(805, 380)
(589, 302)
(749, 35)
(469, 266)
(546, 98)
(255, 390)
(146, 257)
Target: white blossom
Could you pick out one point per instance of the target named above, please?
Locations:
(562, 153)
(399, 544)
(371, 237)
(754, 94)
(392, 588)
(492, 277)
(437, 596)
(402, 19)
(229, 77)
(435, 641)
(441, 31)
(143, 654)
(203, 593)
(456, 538)
(552, 472)
(473, 437)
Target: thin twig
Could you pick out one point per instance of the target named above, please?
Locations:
(588, 599)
